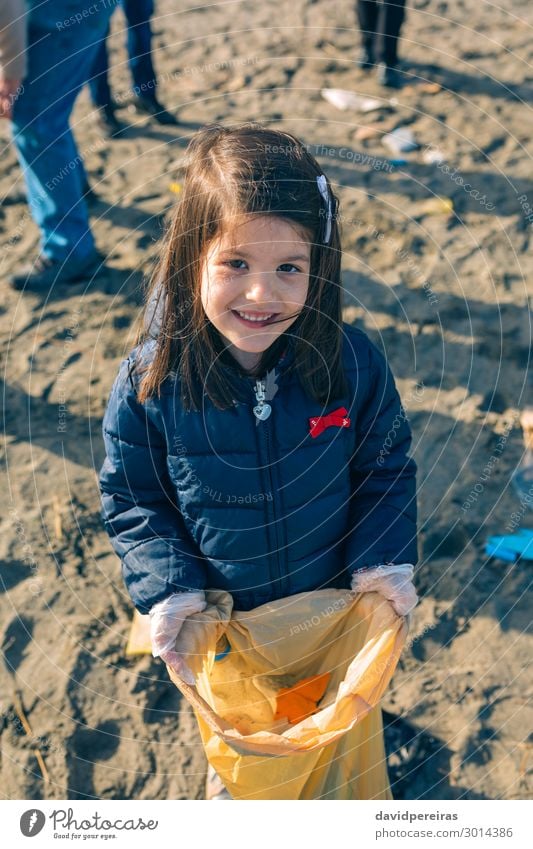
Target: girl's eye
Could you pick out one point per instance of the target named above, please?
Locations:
(289, 268)
(236, 263)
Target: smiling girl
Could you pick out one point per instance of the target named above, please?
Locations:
(244, 434)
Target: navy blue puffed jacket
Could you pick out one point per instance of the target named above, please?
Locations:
(217, 499)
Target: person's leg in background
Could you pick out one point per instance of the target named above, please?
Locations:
(367, 15)
(391, 17)
(99, 82)
(138, 14)
(60, 60)
(101, 92)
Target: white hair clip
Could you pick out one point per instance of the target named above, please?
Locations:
(324, 191)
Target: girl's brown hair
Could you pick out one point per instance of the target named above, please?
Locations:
(230, 173)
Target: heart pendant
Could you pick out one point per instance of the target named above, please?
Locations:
(262, 412)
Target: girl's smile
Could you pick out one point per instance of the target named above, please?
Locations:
(254, 319)
(254, 284)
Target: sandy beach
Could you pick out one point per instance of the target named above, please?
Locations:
(438, 274)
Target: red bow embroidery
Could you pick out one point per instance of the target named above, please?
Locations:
(337, 418)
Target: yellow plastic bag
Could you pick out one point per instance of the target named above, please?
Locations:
(338, 752)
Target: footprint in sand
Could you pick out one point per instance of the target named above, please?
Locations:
(86, 747)
(17, 637)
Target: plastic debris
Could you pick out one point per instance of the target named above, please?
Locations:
(298, 702)
(511, 547)
(139, 641)
(237, 83)
(344, 99)
(430, 88)
(369, 132)
(401, 140)
(433, 156)
(223, 648)
(437, 206)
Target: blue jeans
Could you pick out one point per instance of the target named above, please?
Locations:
(138, 14)
(61, 51)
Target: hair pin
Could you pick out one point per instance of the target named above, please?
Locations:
(324, 191)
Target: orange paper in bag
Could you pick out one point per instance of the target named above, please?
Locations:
(300, 701)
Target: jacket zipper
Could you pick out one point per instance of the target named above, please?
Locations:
(263, 425)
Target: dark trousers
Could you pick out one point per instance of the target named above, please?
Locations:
(138, 14)
(380, 24)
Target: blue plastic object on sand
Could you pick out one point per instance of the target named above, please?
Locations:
(511, 547)
(224, 649)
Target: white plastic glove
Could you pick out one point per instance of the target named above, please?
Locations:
(393, 581)
(166, 620)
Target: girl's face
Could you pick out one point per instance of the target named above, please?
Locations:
(254, 284)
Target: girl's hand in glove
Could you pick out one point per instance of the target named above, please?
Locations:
(393, 581)
(166, 620)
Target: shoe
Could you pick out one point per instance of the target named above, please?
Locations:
(151, 106)
(107, 122)
(388, 76)
(214, 789)
(365, 60)
(46, 272)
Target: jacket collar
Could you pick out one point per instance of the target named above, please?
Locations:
(284, 362)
